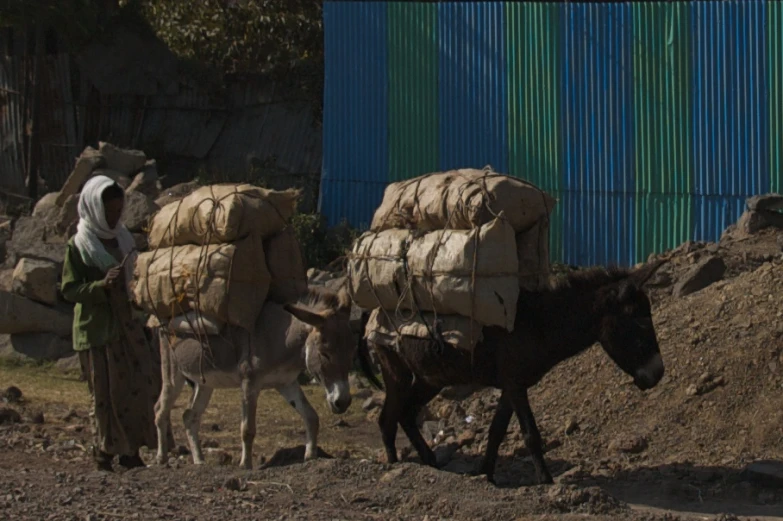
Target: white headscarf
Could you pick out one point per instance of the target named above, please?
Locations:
(93, 227)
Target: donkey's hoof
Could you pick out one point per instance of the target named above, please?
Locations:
(310, 454)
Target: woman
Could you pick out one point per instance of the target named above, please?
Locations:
(110, 340)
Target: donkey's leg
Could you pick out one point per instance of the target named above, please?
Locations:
(391, 411)
(293, 395)
(527, 422)
(497, 431)
(418, 396)
(192, 420)
(172, 383)
(248, 427)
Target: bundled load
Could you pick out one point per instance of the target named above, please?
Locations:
(217, 255)
(454, 272)
(447, 254)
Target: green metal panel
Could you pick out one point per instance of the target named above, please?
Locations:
(662, 121)
(775, 41)
(413, 89)
(535, 58)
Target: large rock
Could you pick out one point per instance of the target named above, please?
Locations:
(147, 181)
(118, 177)
(138, 209)
(88, 161)
(753, 221)
(69, 363)
(46, 208)
(765, 202)
(124, 161)
(41, 346)
(30, 239)
(708, 271)
(22, 315)
(175, 193)
(37, 280)
(68, 217)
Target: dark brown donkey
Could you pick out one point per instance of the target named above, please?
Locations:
(552, 325)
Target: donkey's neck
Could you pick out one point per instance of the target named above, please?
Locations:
(567, 318)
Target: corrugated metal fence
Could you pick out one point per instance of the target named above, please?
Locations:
(651, 122)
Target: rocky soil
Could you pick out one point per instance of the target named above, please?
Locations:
(694, 447)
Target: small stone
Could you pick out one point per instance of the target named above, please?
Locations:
(215, 427)
(224, 459)
(571, 426)
(392, 475)
(466, 438)
(234, 484)
(12, 395)
(341, 423)
(362, 394)
(707, 271)
(8, 416)
(629, 445)
(371, 403)
(430, 430)
(70, 415)
(37, 418)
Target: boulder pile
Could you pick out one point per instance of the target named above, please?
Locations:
(36, 322)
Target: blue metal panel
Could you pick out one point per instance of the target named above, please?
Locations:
(356, 157)
(599, 174)
(472, 87)
(731, 134)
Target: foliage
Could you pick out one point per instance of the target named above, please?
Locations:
(320, 244)
(283, 38)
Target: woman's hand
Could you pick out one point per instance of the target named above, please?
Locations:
(112, 276)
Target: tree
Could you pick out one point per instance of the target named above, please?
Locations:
(283, 38)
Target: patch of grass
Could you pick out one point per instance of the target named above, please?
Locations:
(279, 426)
(43, 386)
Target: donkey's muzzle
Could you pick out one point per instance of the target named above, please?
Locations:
(649, 374)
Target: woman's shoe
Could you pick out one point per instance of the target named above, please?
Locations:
(103, 462)
(132, 462)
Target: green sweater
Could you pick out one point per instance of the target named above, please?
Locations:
(94, 324)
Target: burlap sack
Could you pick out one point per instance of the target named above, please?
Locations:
(286, 266)
(436, 272)
(222, 213)
(228, 282)
(533, 257)
(384, 328)
(193, 323)
(460, 200)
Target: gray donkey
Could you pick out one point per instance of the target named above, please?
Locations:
(313, 333)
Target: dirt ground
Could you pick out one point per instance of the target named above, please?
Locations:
(676, 452)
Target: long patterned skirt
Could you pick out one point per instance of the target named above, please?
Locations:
(124, 381)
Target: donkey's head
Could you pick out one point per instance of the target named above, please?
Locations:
(626, 332)
(330, 345)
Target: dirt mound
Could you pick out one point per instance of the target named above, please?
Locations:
(718, 405)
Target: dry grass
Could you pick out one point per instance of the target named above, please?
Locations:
(279, 426)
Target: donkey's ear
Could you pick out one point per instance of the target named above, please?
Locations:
(307, 316)
(643, 274)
